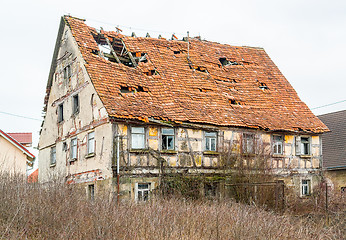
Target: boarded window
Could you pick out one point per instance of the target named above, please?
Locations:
(167, 139)
(137, 137)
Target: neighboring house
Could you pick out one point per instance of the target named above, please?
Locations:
(23, 138)
(14, 157)
(33, 177)
(334, 149)
(127, 107)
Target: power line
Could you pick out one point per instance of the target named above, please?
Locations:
(330, 104)
(15, 115)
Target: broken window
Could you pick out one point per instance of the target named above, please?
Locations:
(305, 187)
(210, 141)
(167, 138)
(91, 143)
(278, 144)
(210, 189)
(53, 156)
(248, 143)
(61, 112)
(75, 100)
(137, 137)
(305, 145)
(91, 192)
(67, 72)
(73, 149)
(142, 191)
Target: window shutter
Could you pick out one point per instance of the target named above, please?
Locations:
(298, 146)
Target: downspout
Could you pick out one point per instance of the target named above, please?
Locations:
(118, 167)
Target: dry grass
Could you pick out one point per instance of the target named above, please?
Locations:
(31, 211)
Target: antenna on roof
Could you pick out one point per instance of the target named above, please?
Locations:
(118, 29)
(188, 46)
(174, 37)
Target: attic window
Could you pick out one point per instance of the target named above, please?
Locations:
(226, 62)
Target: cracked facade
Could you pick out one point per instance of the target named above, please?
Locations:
(147, 102)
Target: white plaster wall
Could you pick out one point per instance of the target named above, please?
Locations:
(12, 160)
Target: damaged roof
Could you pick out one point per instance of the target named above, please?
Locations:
(193, 81)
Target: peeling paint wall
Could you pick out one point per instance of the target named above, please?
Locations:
(90, 117)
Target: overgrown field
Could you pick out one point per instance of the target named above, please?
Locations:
(31, 211)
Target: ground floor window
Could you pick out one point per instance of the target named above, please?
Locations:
(305, 187)
(142, 191)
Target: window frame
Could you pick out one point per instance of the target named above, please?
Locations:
(75, 107)
(245, 142)
(276, 142)
(303, 145)
(74, 149)
(167, 135)
(93, 143)
(60, 112)
(52, 156)
(142, 136)
(138, 190)
(67, 72)
(305, 188)
(208, 141)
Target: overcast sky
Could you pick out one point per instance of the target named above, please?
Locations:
(305, 39)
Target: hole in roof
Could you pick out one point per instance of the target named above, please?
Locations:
(125, 90)
(235, 102)
(176, 52)
(226, 62)
(151, 72)
(263, 86)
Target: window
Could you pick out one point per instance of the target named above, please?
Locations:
(210, 189)
(306, 187)
(167, 139)
(278, 144)
(75, 100)
(53, 156)
(305, 145)
(210, 141)
(74, 149)
(67, 72)
(61, 113)
(142, 191)
(91, 142)
(91, 192)
(137, 137)
(248, 143)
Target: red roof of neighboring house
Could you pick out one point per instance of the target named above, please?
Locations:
(33, 177)
(16, 144)
(22, 138)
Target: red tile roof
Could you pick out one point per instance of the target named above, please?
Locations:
(198, 89)
(17, 144)
(22, 138)
(33, 177)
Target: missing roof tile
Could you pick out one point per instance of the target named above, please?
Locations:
(263, 86)
(226, 62)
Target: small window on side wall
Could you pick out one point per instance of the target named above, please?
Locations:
(53, 156)
(210, 141)
(167, 138)
(278, 144)
(137, 137)
(305, 145)
(61, 112)
(248, 143)
(91, 143)
(75, 102)
(305, 187)
(74, 149)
